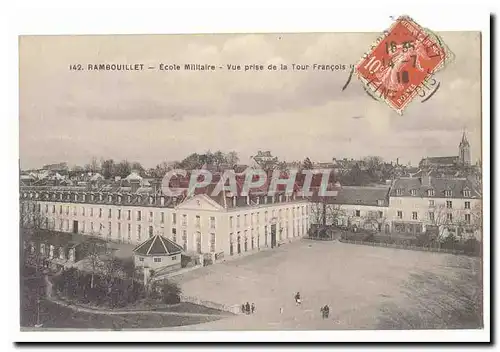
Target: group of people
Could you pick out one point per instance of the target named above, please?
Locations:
(247, 308)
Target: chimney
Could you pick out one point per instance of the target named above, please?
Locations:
(426, 180)
(134, 186)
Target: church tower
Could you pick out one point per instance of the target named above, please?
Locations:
(464, 151)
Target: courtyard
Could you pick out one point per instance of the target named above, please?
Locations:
(365, 287)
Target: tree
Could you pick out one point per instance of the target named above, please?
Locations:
(356, 177)
(282, 166)
(31, 219)
(108, 168)
(123, 169)
(93, 166)
(170, 292)
(137, 166)
(335, 214)
(160, 170)
(232, 158)
(192, 162)
(307, 164)
(95, 249)
(445, 218)
(373, 162)
(111, 268)
(373, 221)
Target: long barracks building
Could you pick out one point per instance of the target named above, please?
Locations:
(201, 223)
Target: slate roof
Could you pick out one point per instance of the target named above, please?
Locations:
(359, 195)
(439, 185)
(442, 159)
(158, 245)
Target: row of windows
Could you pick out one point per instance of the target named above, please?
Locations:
(241, 243)
(432, 216)
(100, 228)
(431, 192)
(449, 203)
(126, 215)
(159, 259)
(93, 197)
(255, 217)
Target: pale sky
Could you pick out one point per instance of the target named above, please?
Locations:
(153, 116)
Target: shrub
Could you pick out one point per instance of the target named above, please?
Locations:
(111, 292)
(166, 291)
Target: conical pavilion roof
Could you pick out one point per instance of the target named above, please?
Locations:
(158, 245)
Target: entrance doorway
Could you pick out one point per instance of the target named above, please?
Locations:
(75, 226)
(273, 235)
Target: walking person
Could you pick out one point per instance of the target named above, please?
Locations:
(253, 308)
(326, 311)
(297, 298)
(243, 308)
(247, 308)
(322, 310)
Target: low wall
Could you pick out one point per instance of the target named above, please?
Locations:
(235, 309)
(399, 246)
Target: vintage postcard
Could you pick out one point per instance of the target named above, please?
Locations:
(244, 182)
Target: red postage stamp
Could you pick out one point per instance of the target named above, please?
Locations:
(401, 61)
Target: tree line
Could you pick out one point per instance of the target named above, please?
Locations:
(371, 169)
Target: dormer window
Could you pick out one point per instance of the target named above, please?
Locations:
(110, 198)
(129, 198)
(100, 197)
(430, 192)
(60, 196)
(119, 199)
(399, 192)
(92, 197)
(36, 195)
(150, 200)
(380, 202)
(162, 200)
(413, 192)
(466, 193)
(83, 197)
(448, 193)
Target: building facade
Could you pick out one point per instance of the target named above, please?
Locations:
(356, 207)
(439, 205)
(201, 224)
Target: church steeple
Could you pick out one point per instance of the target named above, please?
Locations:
(464, 150)
(464, 142)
